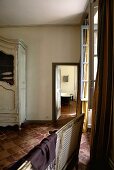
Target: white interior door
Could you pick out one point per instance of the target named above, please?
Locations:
(75, 82)
(58, 92)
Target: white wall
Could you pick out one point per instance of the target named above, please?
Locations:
(45, 45)
(69, 87)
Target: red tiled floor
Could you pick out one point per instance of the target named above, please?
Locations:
(84, 152)
(14, 144)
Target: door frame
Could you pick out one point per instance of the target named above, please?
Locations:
(54, 118)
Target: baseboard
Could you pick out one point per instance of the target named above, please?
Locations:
(37, 121)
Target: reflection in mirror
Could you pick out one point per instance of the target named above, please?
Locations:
(6, 68)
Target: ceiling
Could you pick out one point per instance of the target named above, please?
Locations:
(40, 12)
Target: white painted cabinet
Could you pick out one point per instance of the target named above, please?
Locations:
(12, 82)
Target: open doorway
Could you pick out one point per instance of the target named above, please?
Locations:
(65, 80)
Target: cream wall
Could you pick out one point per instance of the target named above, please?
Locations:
(45, 45)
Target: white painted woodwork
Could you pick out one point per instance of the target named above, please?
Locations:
(58, 92)
(13, 97)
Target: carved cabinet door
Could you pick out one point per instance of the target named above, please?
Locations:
(8, 78)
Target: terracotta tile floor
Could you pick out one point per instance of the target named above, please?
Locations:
(14, 144)
(84, 152)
